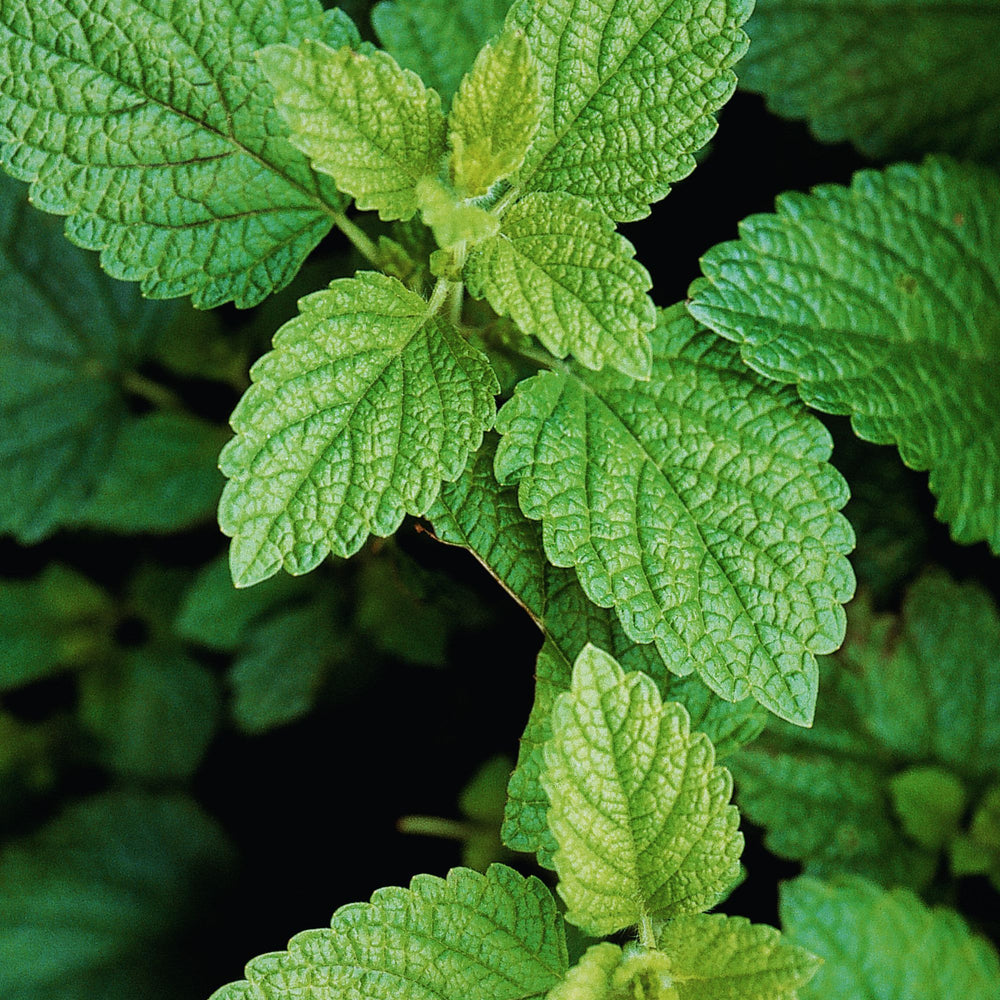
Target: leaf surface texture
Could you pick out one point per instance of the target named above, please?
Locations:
(155, 133)
(639, 810)
(881, 301)
(698, 504)
(365, 404)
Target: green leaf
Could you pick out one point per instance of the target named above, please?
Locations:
(154, 713)
(881, 301)
(629, 101)
(879, 945)
(921, 689)
(453, 221)
(163, 476)
(283, 663)
(217, 615)
(714, 957)
(90, 904)
(371, 125)
(561, 272)
(153, 131)
(57, 620)
(494, 117)
(479, 514)
(638, 808)
(699, 505)
(424, 941)
(977, 852)
(893, 77)
(366, 403)
(69, 337)
(438, 39)
(929, 802)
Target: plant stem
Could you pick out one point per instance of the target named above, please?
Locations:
(434, 826)
(362, 242)
(145, 388)
(647, 936)
(438, 296)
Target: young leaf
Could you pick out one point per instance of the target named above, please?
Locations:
(451, 220)
(699, 505)
(132, 869)
(155, 133)
(563, 274)
(629, 100)
(639, 810)
(438, 39)
(163, 475)
(372, 126)
(494, 117)
(57, 620)
(68, 336)
(365, 404)
(715, 957)
(880, 301)
(923, 689)
(879, 945)
(479, 514)
(893, 77)
(496, 936)
(929, 802)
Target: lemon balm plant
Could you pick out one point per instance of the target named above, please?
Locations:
(649, 483)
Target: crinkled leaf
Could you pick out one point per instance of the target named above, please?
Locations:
(494, 116)
(892, 76)
(561, 272)
(90, 904)
(639, 810)
(359, 117)
(699, 505)
(439, 39)
(154, 132)
(881, 301)
(154, 713)
(714, 957)
(163, 475)
(496, 936)
(879, 945)
(57, 620)
(479, 514)
(921, 689)
(365, 404)
(453, 221)
(630, 100)
(68, 337)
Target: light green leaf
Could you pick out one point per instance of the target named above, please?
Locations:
(438, 39)
(494, 117)
(154, 713)
(496, 936)
(699, 505)
(879, 945)
(154, 132)
(714, 957)
(90, 905)
(69, 337)
(479, 514)
(922, 689)
(57, 620)
(163, 475)
(363, 407)
(638, 808)
(880, 301)
(562, 273)
(372, 126)
(977, 852)
(893, 77)
(929, 802)
(629, 100)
